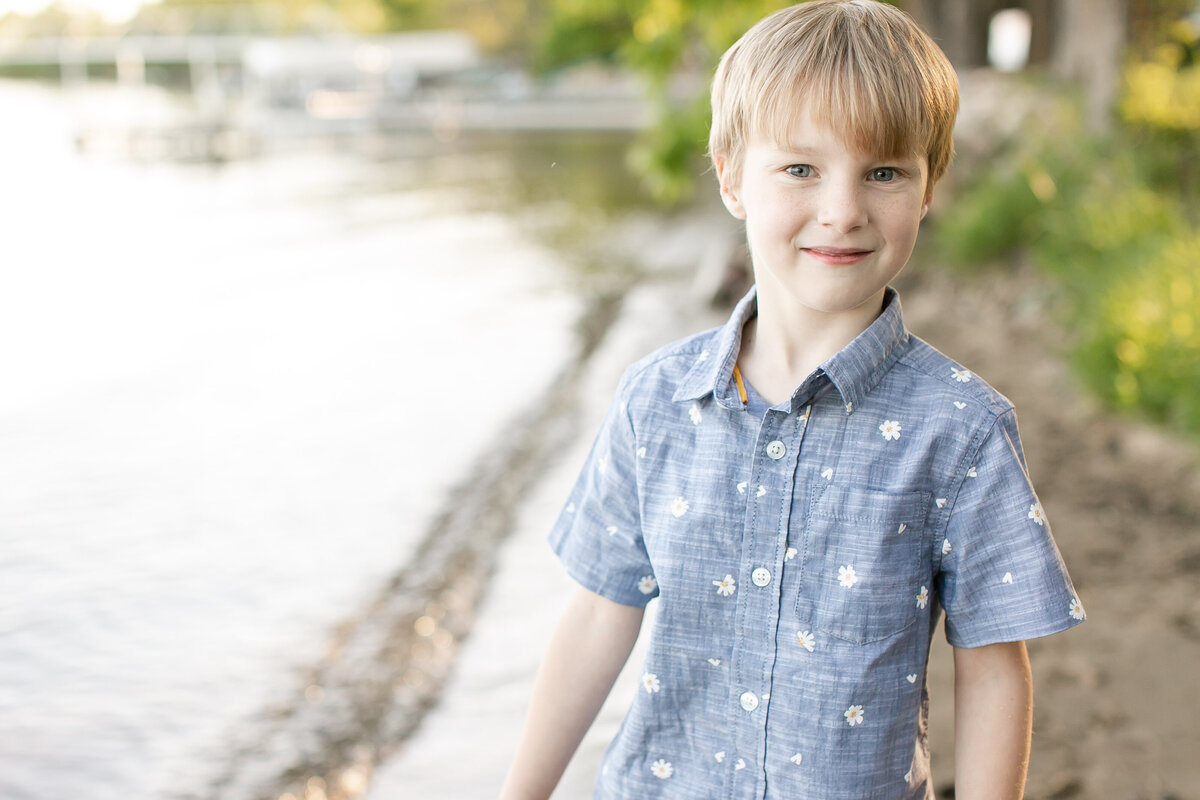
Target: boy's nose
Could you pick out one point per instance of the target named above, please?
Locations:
(842, 207)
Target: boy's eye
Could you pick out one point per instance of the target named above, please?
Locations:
(800, 171)
(884, 174)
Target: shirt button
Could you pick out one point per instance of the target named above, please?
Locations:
(761, 576)
(749, 701)
(776, 450)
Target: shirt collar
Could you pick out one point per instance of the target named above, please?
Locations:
(854, 371)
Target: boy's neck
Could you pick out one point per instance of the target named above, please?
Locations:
(782, 345)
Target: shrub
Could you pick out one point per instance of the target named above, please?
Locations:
(1143, 351)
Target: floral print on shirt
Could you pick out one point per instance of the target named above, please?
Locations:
(726, 586)
(847, 576)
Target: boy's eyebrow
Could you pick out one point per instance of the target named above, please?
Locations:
(801, 150)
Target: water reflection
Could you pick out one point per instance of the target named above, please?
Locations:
(237, 393)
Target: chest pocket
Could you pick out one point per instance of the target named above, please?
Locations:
(863, 571)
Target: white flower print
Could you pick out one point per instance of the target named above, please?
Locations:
(923, 597)
(791, 553)
(741, 764)
(1036, 514)
(959, 405)
(650, 683)
(961, 375)
(796, 759)
(679, 506)
(1008, 578)
(806, 640)
(846, 576)
(890, 430)
(641, 452)
(827, 473)
(946, 547)
(725, 587)
(694, 413)
(741, 487)
(761, 491)
(854, 715)
(662, 769)
(716, 662)
(972, 473)
(1076, 609)
(703, 357)
(612, 530)
(647, 584)
(719, 756)
(849, 408)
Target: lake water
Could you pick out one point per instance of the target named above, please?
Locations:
(233, 396)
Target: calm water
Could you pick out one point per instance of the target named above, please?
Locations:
(231, 399)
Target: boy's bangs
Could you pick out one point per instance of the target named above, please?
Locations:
(875, 115)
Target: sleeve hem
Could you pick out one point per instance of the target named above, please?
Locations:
(1001, 636)
(609, 592)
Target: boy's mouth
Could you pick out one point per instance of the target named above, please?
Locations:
(837, 255)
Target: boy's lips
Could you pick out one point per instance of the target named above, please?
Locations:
(837, 255)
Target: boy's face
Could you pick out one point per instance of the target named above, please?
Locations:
(828, 227)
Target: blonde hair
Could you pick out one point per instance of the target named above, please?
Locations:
(863, 68)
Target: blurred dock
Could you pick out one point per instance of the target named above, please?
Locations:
(233, 95)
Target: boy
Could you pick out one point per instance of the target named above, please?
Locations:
(808, 487)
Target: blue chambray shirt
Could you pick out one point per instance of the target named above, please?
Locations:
(801, 558)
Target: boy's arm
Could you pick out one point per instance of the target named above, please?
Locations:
(586, 653)
(993, 721)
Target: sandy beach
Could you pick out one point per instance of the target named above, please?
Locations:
(1115, 698)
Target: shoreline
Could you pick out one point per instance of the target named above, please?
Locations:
(381, 671)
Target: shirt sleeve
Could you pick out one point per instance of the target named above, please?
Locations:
(1002, 578)
(598, 534)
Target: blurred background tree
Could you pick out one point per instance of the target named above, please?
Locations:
(674, 45)
(1112, 217)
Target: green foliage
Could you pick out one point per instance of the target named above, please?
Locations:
(667, 157)
(1114, 222)
(659, 40)
(1143, 348)
(993, 220)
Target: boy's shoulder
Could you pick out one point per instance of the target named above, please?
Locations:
(654, 379)
(940, 374)
(672, 362)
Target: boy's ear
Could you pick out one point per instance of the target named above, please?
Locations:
(927, 203)
(729, 193)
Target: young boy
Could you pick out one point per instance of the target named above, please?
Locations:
(808, 487)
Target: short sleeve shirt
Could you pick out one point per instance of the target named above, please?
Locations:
(801, 559)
